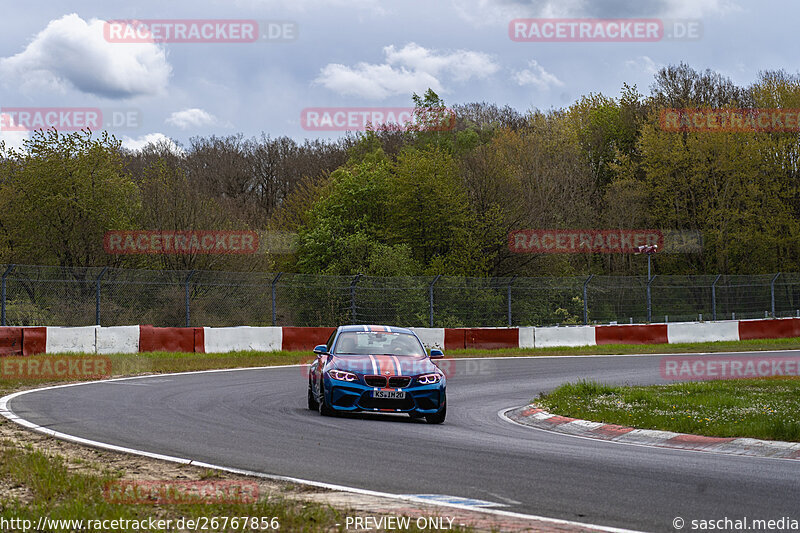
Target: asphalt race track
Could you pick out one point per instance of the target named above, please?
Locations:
(256, 419)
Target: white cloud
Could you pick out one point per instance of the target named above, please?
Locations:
(698, 8)
(642, 63)
(375, 82)
(462, 64)
(537, 76)
(70, 52)
(191, 118)
(374, 6)
(492, 12)
(412, 68)
(151, 138)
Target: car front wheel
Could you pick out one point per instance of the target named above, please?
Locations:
(312, 402)
(324, 408)
(437, 418)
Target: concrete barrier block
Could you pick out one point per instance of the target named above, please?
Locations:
(430, 337)
(117, 339)
(702, 331)
(564, 336)
(71, 339)
(262, 339)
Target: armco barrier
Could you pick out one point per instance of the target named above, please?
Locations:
(769, 329)
(702, 331)
(266, 339)
(295, 339)
(648, 334)
(565, 336)
(153, 339)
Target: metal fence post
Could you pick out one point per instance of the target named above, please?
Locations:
(772, 292)
(430, 298)
(586, 300)
(353, 296)
(274, 298)
(714, 298)
(97, 296)
(186, 288)
(3, 295)
(509, 299)
(649, 300)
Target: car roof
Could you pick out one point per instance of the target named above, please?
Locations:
(375, 329)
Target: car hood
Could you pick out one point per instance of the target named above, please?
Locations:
(384, 365)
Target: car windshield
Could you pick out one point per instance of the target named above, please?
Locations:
(378, 343)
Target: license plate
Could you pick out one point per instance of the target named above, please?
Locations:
(389, 394)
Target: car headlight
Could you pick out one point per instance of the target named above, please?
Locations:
(429, 379)
(342, 375)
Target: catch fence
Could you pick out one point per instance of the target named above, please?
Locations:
(54, 296)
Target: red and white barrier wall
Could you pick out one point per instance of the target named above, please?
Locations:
(133, 339)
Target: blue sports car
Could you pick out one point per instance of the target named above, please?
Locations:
(377, 369)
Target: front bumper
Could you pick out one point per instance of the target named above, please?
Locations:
(355, 396)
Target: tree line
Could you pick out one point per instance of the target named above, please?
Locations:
(420, 201)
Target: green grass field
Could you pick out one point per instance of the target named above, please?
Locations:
(54, 490)
(757, 408)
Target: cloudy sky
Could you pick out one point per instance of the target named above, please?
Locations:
(351, 53)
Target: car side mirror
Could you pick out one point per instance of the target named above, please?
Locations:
(321, 349)
(437, 354)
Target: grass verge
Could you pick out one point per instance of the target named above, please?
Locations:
(49, 488)
(758, 408)
(65, 491)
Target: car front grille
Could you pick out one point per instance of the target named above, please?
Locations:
(399, 381)
(375, 381)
